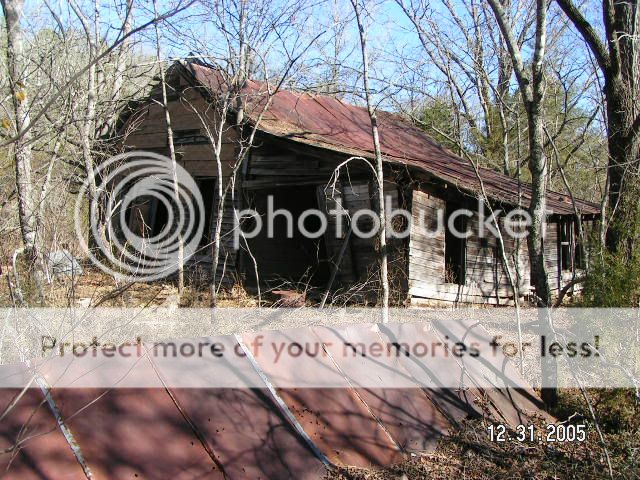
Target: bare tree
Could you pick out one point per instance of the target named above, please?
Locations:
(459, 81)
(260, 42)
(375, 135)
(16, 65)
(78, 81)
(172, 149)
(91, 28)
(532, 89)
(618, 57)
(122, 36)
(463, 55)
(116, 82)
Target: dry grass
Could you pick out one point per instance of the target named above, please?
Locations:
(96, 288)
(469, 453)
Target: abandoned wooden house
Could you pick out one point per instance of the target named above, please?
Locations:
(300, 139)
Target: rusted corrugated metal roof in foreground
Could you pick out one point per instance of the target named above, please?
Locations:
(271, 432)
(330, 123)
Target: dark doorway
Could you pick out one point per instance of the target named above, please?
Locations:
(160, 215)
(286, 257)
(455, 248)
(148, 216)
(208, 189)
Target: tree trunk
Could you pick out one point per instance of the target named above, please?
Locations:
(623, 172)
(27, 210)
(623, 95)
(535, 241)
(120, 70)
(384, 273)
(618, 58)
(537, 207)
(532, 92)
(172, 151)
(87, 124)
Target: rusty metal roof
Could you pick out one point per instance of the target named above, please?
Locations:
(33, 445)
(330, 123)
(260, 433)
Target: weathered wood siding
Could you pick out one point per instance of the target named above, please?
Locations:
(551, 257)
(486, 280)
(517, 253)
(426, 245)
(146, 129)
(485, 269)
(287, 165)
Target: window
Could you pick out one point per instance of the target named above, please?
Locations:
(455, 249)
(565, 235)
(579, 250)
(190, 136)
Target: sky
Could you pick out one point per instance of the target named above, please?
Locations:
(397, 57)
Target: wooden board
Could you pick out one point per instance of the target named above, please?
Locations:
(426, 253)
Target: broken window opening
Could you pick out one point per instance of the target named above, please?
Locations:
(565, 237)
(580, 253)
